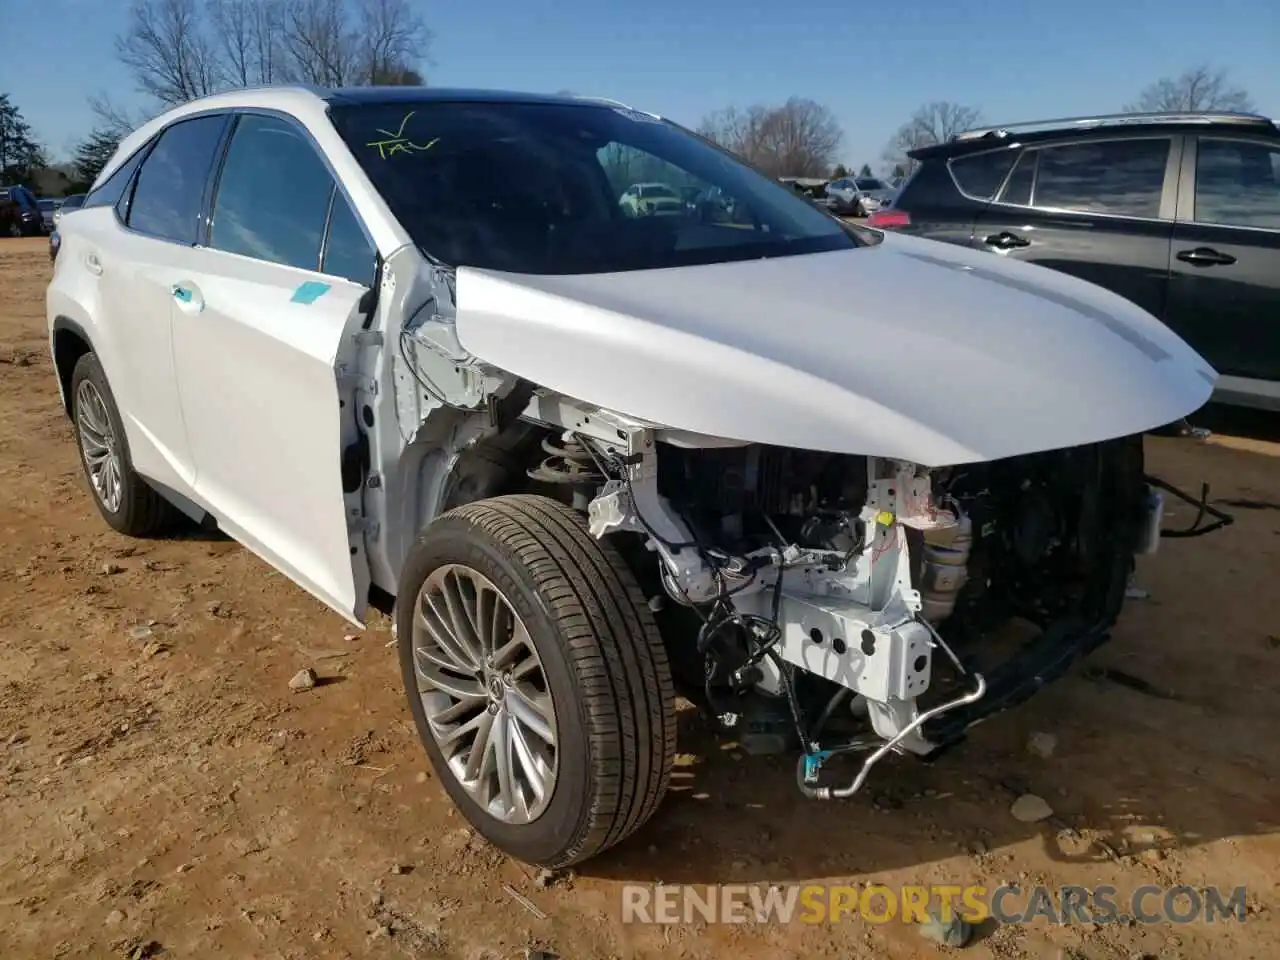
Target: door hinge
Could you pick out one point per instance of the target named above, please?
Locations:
(363, 525)
(367, 338)
(373, 482)
(358, 384)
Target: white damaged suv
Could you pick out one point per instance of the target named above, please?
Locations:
(413, 344)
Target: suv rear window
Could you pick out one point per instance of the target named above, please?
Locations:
(980, 174)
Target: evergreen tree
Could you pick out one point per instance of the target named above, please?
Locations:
(20, 155)
(92, 154)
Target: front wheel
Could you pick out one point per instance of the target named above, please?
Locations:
(536, 678)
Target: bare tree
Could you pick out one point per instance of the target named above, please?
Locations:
(800, 138)
(319, 42)
(178, 50)
(114, 118)
(170, 55)
(1196, 90)
(933, 123)
(248, 35)
(735, 129)
(388, 37)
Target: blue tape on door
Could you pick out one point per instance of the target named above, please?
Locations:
(310, 292)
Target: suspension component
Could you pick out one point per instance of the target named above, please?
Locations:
(570, 464)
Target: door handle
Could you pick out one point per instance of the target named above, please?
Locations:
(187, 298)
(93, 264)
(1206, 257)
(1004, 240)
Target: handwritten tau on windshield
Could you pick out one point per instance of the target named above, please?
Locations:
(399, 142)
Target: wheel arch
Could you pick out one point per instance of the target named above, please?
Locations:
(70, 343)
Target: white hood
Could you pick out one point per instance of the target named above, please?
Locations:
(912, 349)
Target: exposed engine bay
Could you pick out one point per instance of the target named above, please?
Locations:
(826, 603)
(815, 599)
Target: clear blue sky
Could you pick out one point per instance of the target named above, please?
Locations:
(873, 64)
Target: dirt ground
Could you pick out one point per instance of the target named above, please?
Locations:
(164, 793)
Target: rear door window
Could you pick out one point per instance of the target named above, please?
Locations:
(1237, 184)
(170, 188)
(273, 195)
(1117, 177)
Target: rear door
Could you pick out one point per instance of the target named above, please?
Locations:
(263, 316)
(1100, 209)
(1224, 298)
(135, 257)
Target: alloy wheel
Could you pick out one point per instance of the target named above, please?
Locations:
(485, 695)
(99, 446)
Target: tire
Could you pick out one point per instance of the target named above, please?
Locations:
(137, 510)
(603, 667)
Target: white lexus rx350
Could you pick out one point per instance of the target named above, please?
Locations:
(415, 344)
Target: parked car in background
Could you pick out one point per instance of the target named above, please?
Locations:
(859, 196)
(73, 202)
(20, 213)
(813, 189)
(1178, 212)
(48, 207)
(651, 199)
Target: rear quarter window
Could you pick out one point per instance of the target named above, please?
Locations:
(980, 174)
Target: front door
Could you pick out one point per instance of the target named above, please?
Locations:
(1099, 210)
(1224, 298)
(261, 316)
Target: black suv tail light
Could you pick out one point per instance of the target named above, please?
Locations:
(889, 219)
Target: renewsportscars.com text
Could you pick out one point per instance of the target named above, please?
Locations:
(817, 903)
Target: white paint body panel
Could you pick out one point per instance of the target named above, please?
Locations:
(231, 401)
(909, 349)
(260, 400)
(124, 306)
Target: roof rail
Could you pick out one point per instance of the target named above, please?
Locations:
(1116, 119)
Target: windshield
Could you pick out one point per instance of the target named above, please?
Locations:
(869, 183)
(550, 188)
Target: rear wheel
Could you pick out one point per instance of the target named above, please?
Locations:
(121, 495)
(536, 678)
